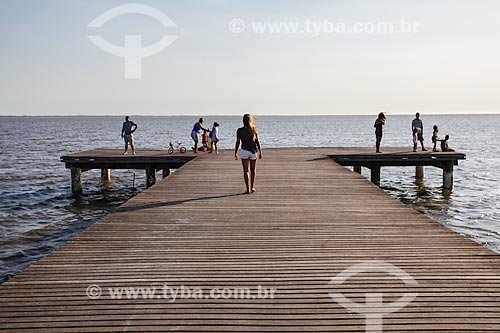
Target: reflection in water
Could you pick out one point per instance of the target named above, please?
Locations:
(428, 199)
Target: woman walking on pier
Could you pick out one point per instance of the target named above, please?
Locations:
(250, 150)
(379, 125)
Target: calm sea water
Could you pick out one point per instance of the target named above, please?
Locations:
(38, 214)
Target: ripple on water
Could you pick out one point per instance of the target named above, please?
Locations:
(37, 213)
(49, 220)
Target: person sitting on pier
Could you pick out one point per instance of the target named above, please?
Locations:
(444, 144)
(128, 129)
(417, 123)
(435, 139)
(379, 124)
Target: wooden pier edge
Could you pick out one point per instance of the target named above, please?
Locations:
(153, 161)
(359, 157)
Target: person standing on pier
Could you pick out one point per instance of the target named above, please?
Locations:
(214, 138)
(250, 150)
(195, 133)
(128, 129)
(379, 129)
(419, 125)
(435, 139)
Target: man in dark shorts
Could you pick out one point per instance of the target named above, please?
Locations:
(419, 125)
(128, 129)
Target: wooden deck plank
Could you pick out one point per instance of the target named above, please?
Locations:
(310, 220)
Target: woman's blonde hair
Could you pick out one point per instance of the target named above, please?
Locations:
(248, 123)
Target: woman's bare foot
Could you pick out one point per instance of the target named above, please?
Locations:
(254, 190)
(125, 153)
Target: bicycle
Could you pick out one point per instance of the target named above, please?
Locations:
(179, 146)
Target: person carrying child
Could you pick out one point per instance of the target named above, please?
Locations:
(417, 123)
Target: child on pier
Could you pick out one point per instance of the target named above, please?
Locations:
(415, 139)
(435, 139)
(444, 144)
(204, 139)
(214, 136)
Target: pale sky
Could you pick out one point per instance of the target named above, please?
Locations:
(451, 64)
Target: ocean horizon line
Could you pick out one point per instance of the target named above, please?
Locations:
(257, 115)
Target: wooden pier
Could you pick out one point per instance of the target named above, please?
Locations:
(310, 220)
(153, 161)
(107, 159)
(393, 156)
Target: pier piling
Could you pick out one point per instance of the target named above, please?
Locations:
(76, 181)
(375, 175)
(105, 175)
(150, 176)
(165, 173)
(448, 176)
(419, 172)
